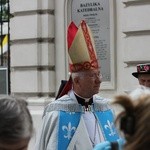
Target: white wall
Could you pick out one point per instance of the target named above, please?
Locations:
(32, 35)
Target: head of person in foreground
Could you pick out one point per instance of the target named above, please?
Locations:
(16, 126)
(134, 121)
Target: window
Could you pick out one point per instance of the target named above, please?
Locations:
(4, 47)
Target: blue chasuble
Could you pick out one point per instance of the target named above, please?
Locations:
(68, 123)
(106, 122)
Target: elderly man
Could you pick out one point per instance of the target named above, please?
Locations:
(143, 74)
(78, 119)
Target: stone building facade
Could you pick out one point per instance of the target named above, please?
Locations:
(39, 53)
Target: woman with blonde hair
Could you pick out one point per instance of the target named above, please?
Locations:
(134, 121)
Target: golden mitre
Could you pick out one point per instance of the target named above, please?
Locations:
(81, 48)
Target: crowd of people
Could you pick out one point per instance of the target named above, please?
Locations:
(16, 127)
(79, 119)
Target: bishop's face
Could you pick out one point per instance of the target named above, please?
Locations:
(89, 83)
(144, 79)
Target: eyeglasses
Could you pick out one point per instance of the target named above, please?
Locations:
(93, 75)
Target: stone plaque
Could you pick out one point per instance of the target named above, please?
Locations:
(97, 15)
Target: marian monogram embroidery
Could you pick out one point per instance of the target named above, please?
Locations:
(110, 126)
(70, 130)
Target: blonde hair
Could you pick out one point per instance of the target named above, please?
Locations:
(135, 121)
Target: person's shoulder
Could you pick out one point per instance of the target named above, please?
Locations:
(101, 103)
(62, 100)
(64, 103)
(101, 99)
(65, 99)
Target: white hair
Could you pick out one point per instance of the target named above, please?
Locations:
(76, 74)
(141, 90)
